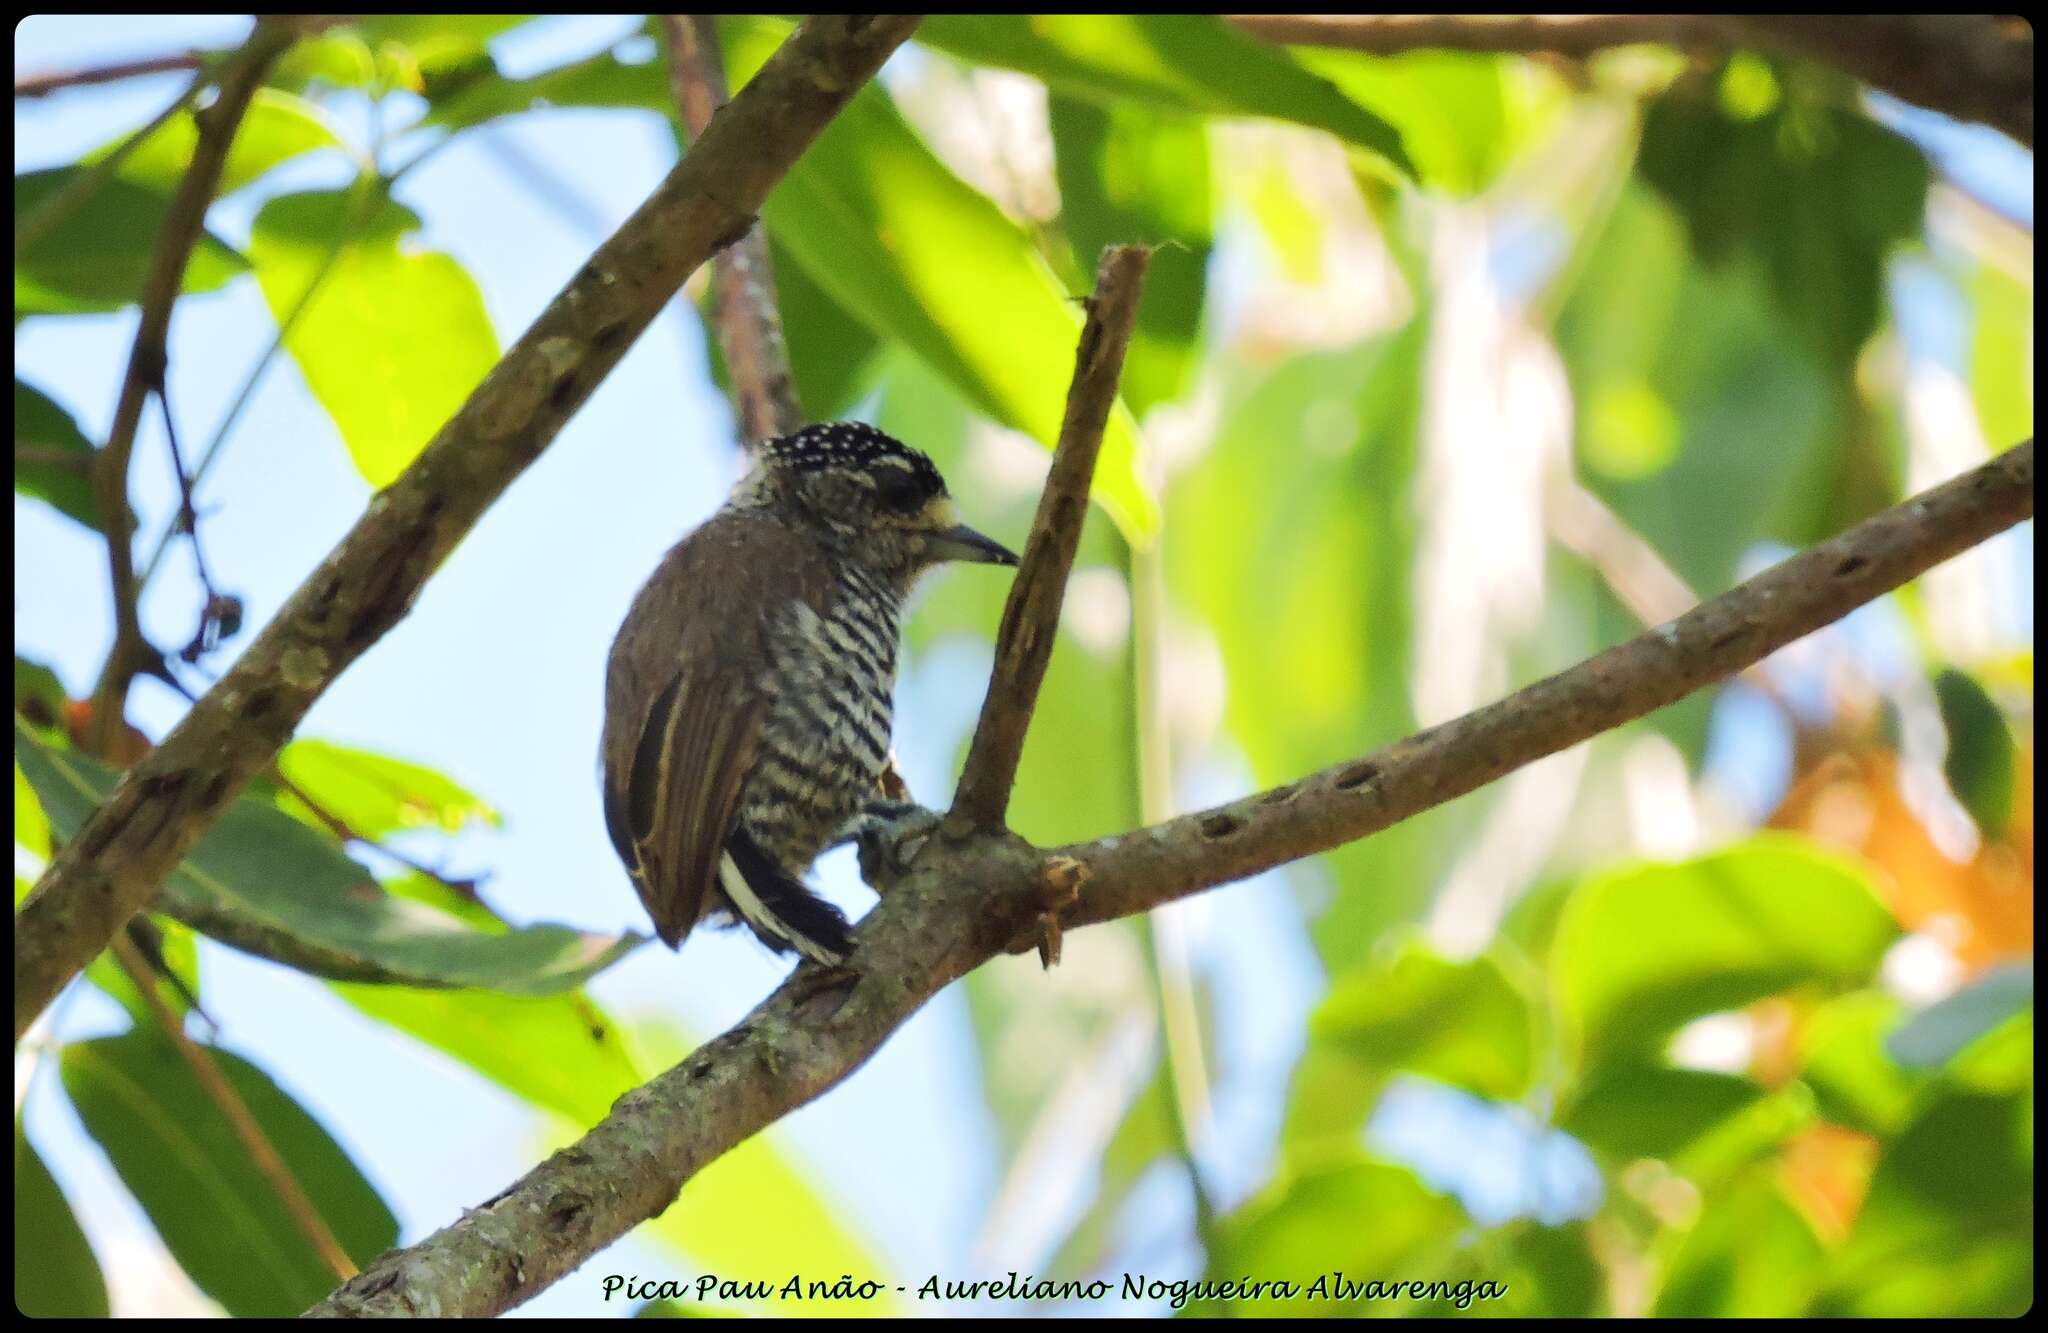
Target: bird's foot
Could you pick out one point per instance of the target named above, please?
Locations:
(815, 979)
(890, 834)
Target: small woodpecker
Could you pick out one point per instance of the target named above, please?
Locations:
(747, 699)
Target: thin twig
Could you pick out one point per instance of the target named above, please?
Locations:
(368, 582)
(184, 222)
(339, 827)
(962, 901)
(744, 314)
(262, 1155)
(1031, 615)
(42, 85)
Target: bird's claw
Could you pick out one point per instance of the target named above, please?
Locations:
(890, 834)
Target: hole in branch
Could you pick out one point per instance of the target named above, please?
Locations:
(1357, 776)
(1221, 826)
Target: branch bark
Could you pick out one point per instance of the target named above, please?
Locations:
(1970, 66)
(744, 315)
(42, 85)
(1031, 616)
(367, 584)
(969, 895)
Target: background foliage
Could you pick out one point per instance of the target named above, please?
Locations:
(1452, 369)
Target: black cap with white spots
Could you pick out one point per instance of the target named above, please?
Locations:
(850, 444)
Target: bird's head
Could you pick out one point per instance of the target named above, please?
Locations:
(871, 495)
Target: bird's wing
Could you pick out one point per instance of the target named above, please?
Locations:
(685, 702)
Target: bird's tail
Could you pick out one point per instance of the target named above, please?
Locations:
(777, 906)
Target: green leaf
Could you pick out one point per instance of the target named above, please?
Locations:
(1948, 1225)
(1750, 1254)
(832, 355)
(1180, 62)
(56, 1275)
(1632, 1109)
(894, 237)
(1362, 1219)
(1130, 173)
(393, 340)
(376, 795)
(1652, 341)
(1819, 194)
(2002, 353)
(216, 1212)
(40, 423)
(97, 257)
(1466, 1024)
(261, 867)
(276, 128)
(1644, 950)
(1980, 761)
(174, 945)
(1854, 1078)
(1461, 116)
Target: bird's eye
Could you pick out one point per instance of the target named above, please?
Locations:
(898, 489)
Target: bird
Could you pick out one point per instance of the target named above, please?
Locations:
(748, 693)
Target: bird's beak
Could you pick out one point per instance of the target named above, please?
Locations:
(961, 542)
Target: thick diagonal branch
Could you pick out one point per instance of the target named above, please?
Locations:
(968, 897)
(367, 584)
(744, 315)
(1031, 616)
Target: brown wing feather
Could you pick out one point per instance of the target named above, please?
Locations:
(684, 704)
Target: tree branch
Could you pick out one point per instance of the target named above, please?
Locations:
(1969, 66)
(1031, 615)
(744, 315)
(184, 221)
(1713, 641)
(367, 584)
(1507, 34)
(42, 85)
(968, 896)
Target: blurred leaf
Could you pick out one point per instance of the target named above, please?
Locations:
(56, 1275)
(1854, 1078)
(1181, 62)
(40, 423)
(98, 256)
(1948, 1226)
(276, 128)
(1818, 194)
(1630, 1109)
(1644, 950)
(1549, 1272)
(1466, 1024)
(1652, 342)
(832, 355)
(1999, 1062)
(1980, 761)
(217, 1214)
(377, 795)
(1938, 1033)
(561, 1053)
(438, 39)
(2001, 366)
(261, 866)
(1303, 571)
(894, 237)
(1462, 117)
(1362, 1219)
(1128, 173)
(395, 338)
(39, 696)
(1750, 1254)
(31, 828)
